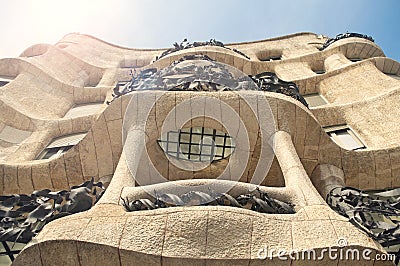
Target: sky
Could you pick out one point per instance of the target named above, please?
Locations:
(158, 24)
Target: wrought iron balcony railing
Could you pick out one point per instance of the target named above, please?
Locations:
(344, 36)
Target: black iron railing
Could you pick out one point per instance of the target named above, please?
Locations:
(258, 201)
(223, 80)
(186, 45)
(268, 81)
(23, 216)
(344, 36)
(377, 214)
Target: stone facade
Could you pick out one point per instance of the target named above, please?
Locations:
(304, 162)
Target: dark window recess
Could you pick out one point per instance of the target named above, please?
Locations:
(53, 152)
(319, 72)
(4, 80)
(272, 58)
(3, 83)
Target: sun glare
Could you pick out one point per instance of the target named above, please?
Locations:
(61, 17)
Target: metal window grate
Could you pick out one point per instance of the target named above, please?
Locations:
(10, 250)
(197, 144)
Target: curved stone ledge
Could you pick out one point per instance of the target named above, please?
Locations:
(35, 50)
(188, 235)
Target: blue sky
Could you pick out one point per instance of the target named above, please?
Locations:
(157, 24)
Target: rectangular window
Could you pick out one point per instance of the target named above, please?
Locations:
(49, 153)
(344, 137)
(60, 145)
(315, 100)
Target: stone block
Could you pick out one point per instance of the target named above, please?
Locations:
(287, 117)
(268, 238)
(41, 176)
(114, 128)
(93, 254)
(102, 231)
(10, 179)
(58, 174)
(73, 167)
(142, 240)
(50, 252)
(65, 126)
(25, 179)
(311, 140)
(1, 179)
(186, 234)
(30, 256)
(88, 158)
(114, 110)
(102, 144)
(234, 245)
(313, 234)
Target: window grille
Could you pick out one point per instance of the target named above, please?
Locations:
(197, 144)
(8, 251)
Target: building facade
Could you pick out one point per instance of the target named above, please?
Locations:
(293, 117)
